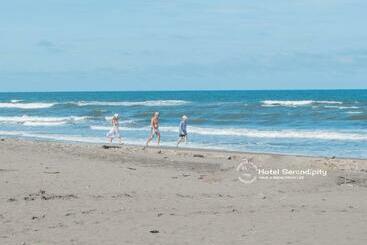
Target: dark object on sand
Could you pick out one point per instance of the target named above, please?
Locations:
(229, 158)
(154, 231)
(343, 180)
(111, 147)
(359, 179)
(55, 172)
(202, 176)
(45, 196)
(2, 139)
(7, 170)
(198, 155)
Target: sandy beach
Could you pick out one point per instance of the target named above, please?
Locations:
(63, 193)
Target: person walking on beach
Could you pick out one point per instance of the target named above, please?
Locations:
(115, 131)
(182, 130)
(154, 129)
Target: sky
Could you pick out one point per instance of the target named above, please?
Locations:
(93, 45)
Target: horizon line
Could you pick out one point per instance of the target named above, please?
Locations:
(181, 90)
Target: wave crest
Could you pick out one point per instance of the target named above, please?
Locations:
(27, 105)
(132, 103)
(294, 103)
(41, 121)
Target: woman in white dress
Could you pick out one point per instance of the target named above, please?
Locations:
(114, 132)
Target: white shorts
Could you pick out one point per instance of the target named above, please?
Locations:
(114, 133)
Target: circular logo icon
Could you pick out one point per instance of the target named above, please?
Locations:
(248, 171)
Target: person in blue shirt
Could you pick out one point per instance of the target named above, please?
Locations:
(182, 130)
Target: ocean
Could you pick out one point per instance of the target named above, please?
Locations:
(302, 122)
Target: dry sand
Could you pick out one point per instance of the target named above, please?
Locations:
(58, 193)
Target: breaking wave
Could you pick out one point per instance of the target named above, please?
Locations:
(294, 103)
(132, 103)
(41, 121)
(26, 105)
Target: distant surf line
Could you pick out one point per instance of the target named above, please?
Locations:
(19, 104)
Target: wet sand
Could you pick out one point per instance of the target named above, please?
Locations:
(59, 193)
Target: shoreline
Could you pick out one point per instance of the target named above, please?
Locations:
(154, 146)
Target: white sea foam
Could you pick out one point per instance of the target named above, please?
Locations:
(132, 103)
(348, 107)
(294, 103)
(302, 134)
(328, 102)
(44, 124)
(15, 101)
(341, 107)
(128, 121)
(105, 128)
(354, 112)
(26, 105)
(41, 121)
(254, 133)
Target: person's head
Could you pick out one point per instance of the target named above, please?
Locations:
(184, 118)
(116, 116)
(156, 114)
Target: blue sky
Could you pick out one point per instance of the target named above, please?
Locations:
(59, 45)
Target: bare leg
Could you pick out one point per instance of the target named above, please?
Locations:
(149, 139)
(179, 141)
(159, 138)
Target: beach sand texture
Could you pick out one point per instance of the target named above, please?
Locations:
(58, 193)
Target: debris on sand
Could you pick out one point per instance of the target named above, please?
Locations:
(154, 231)
(36, 217)
(7, 170)
(111, 147)
(43, 196)
(64, 197)
(121, 195)
(199, 155)
(359, 179)
(343, 180)
(12, 199)
(50, 172)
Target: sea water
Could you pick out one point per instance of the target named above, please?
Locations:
(306, 122)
